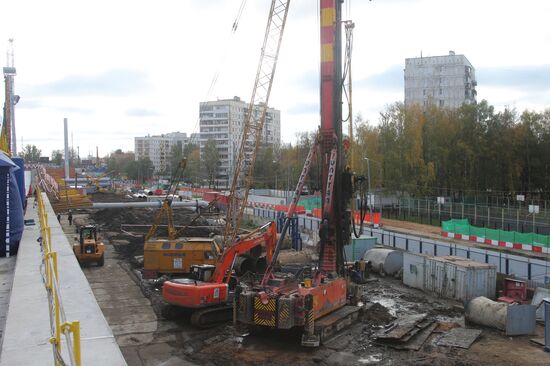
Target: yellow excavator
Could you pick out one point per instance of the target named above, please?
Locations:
(174, 255)
(88, 248)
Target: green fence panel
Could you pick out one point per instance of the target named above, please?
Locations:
(478, 231)
(507, 236)
(310, 203)
(448, 226)
(460, 221)
(492, 234)
(461, 226)
(540, 240)
(524, 238)
(462, 229)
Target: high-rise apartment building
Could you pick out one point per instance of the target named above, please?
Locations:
(446, 81)
(158, 149)
(223, 122)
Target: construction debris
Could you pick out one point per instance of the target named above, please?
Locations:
(514, 319)
(459, 337)
(541, 293)
(407, 332)
(376, 314)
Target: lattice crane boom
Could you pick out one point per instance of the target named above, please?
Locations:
(255, 119)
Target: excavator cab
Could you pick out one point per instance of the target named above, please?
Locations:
(202, 272)
(87, 248)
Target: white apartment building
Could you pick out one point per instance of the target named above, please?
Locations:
(223, 121)
(446, 81)
(158, 148)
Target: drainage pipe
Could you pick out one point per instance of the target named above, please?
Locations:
(484, 311)
(154, 204)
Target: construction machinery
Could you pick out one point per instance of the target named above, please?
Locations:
(210, 290)
(175, 254)
(88, 248)
(96, 181)
(317, 301)
(195, 294)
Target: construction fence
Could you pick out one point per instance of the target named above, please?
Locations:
(513, 239)
(507, 218)
(535, 271)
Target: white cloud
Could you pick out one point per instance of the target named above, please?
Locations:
(155, 60)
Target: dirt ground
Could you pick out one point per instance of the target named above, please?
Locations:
(148, 339)
(428, 229)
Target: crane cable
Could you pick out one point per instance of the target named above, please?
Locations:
(228, 45)
(349, 26)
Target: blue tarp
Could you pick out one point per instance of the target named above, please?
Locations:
(20, 176)
(8, 188)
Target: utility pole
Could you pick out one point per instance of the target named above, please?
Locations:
(9, 142)
(66, 136)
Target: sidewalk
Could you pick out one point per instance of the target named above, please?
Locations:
(27, 332)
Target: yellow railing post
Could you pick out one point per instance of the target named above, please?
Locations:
(56, 302)
(52, 285)
(74, 327)
(48, 270)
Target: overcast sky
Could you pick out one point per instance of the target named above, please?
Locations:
(119, 69)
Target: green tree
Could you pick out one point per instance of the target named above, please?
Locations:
(118, 162)
(140, 170)
(265, 169)
(210, 160)
(57, 157)
(31, 154)
(176, 155)
(192, 173)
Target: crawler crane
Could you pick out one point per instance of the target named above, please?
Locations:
(204, 293)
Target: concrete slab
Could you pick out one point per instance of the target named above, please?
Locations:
(155, 354)
(143, 327)
(129, 292)
(124, 303)
(134, 339)
(131, 355)
(28, 317)
(112, 286)
(176, 361)
(139, 314)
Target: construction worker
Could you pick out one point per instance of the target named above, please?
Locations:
(70, 217)
(59, 217)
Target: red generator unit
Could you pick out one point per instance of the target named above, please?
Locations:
(514, 292)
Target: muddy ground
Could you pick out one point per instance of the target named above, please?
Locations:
(177, 343)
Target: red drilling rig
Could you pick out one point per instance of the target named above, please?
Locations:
(318, 300)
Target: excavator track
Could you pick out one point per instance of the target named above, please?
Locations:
(210, 317)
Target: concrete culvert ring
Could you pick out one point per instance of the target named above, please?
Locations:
(261, 265)
(244, 263)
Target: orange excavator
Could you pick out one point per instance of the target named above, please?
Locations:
(209, 293)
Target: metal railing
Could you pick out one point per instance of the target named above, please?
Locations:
(509, 218)
(58, 322)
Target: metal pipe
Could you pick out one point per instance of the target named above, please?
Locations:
(157, 204)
